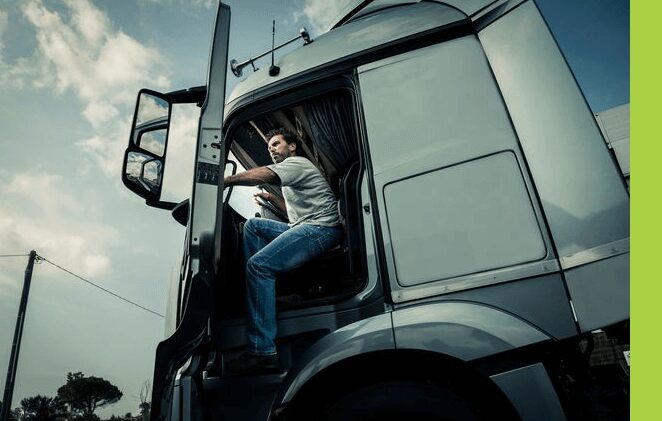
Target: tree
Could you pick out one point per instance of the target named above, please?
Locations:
(145, 406)
(145, 410)
(84, 395)
(16, 414)
(42, 408)
(125, 417)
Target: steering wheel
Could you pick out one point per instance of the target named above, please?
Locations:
(273, 208)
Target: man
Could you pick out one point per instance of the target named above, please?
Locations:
(272, 247)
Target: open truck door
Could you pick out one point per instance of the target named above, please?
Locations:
(144, 166)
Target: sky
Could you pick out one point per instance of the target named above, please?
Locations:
(69, 74)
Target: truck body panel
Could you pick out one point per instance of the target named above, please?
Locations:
(531, 392)
(600, 292)
(586, 205)
(465, 166)
(466, 331)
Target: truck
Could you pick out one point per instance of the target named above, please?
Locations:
(486, 226)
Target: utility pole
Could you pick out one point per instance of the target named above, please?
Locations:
(16, 345)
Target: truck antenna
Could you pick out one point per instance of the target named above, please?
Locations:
(273, 69)
(237, 67)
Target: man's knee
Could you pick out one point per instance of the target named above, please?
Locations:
(255, 265)
(250, 225)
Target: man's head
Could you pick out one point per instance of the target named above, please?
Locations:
(282, 144)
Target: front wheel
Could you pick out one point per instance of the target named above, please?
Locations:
(402, 400)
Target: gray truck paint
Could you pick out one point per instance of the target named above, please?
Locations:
(372, 334)
(350, 39)
(523, 298)
(466, 331)
(202, 218)
(467, 167)
(462, 330)
(469, 7)
(600, 292)
(586, 206)
(531, 392)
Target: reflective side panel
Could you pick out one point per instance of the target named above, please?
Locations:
(531, 392)
(489, 223)
(462, 330)
(582, 192)
(454, 199)
(171, 304)
(371, 334)
(600, 292)
(176, 407)
(541, 301)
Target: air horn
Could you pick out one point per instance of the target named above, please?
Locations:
(237, 67)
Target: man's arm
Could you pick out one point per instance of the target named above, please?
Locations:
(252, 177)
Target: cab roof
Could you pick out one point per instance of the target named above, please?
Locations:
(357, 8)
(359, 29)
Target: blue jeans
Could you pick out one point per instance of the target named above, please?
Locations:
(272, 247)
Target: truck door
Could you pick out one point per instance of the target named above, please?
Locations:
(191, 331)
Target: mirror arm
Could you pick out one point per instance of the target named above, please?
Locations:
(160, 205)
(181, 211)
(192, 95)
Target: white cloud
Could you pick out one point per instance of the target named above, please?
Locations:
(98, 113)
(106, 149)
(89, 56)
(39, 212)
(10, 282)
(35, 184)
(19, 73)
(320, 13)
(208, 4)
(90, 22)
(79, 50)
(4, 19)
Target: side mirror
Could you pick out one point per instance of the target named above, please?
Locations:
(144, 158)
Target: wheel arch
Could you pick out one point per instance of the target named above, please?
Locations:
(393, 365)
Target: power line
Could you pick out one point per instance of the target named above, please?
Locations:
(100, 287)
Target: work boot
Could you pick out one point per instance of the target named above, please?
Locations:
(248, 363)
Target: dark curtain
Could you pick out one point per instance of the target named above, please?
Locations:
(331, 123)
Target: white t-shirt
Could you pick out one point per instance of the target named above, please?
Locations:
(308, 197)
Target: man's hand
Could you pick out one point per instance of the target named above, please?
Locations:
(265, 195)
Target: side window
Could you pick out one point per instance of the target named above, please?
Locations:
(241, 199)
(452, 194)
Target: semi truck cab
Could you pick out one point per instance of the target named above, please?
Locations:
(486, 224)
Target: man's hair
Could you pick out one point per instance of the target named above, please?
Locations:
(289, 138)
